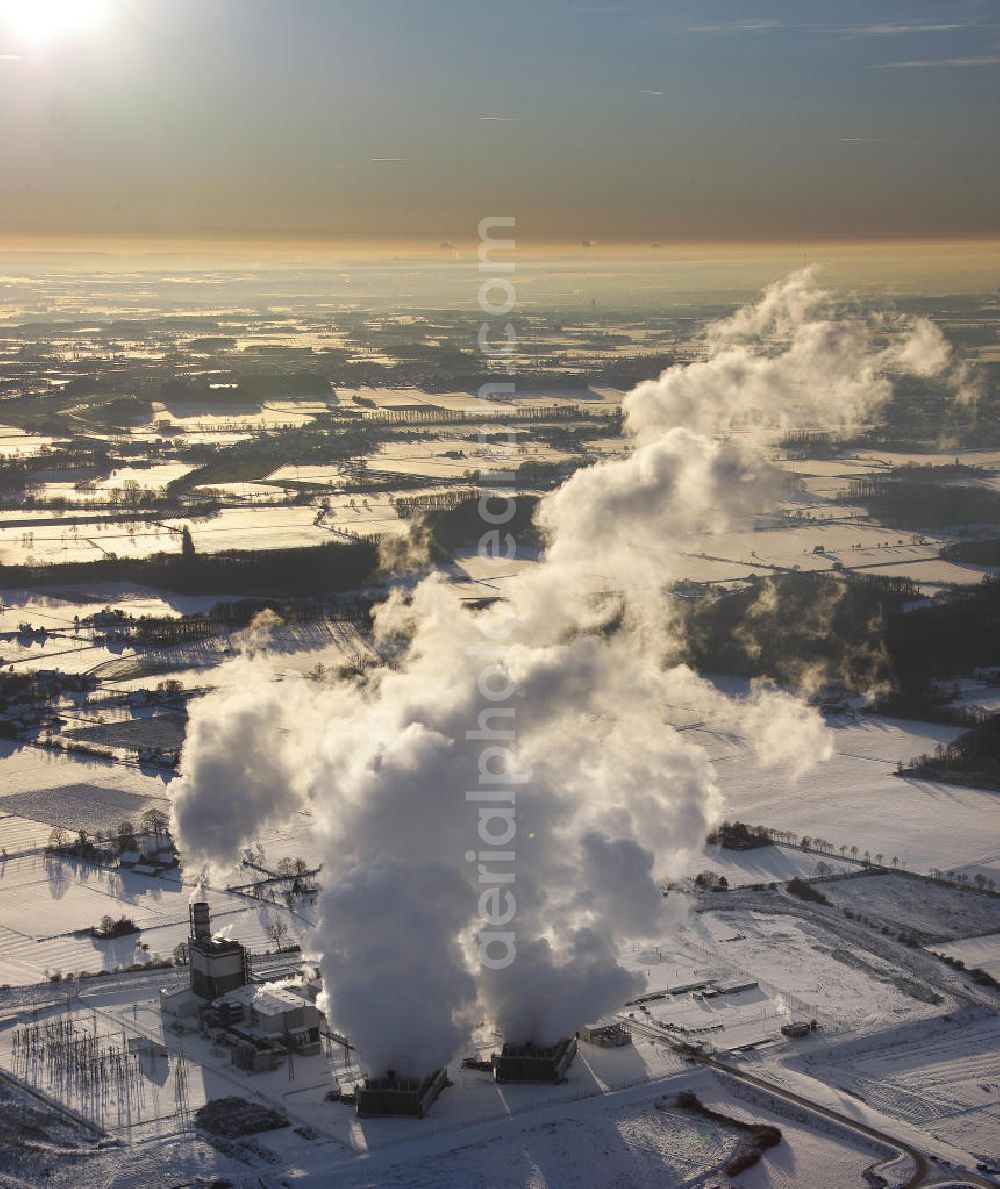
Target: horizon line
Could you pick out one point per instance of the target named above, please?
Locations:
(462, 251)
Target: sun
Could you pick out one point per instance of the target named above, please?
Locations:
(38, 21)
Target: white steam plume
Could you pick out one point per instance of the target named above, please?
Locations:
(609, 797)
(782, 364)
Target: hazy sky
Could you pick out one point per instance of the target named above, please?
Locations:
(604, 120)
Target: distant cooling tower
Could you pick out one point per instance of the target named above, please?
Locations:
(396, 1096)
(201, 921)
(534, 1063)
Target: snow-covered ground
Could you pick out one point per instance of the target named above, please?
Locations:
(982, 953)
(933, 912)
(979, 694)
(614, 1122)
(636, 1138)
(943, 1076)
(764, 864)
(854, 799)
(48, 904)
(201, 416)
(57, 608)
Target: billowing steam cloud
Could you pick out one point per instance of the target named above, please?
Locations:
(536, 729)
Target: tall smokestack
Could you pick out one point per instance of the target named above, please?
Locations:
(201, 921)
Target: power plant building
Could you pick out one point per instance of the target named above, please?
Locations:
(260, 1024)
(271, 1013)
(218, 965)
(613, 1035)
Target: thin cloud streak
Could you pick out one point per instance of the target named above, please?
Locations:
(751, 26)
(871, 140)
(899, 29)
(930, 63)
(874, 29)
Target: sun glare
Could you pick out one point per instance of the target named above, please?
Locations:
(38, 21)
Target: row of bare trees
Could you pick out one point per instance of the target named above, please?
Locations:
(981, 882)
(817, 845)
(153, 821)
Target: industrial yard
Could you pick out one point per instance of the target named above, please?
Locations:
(754, 982)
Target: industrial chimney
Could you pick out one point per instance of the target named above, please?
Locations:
(201, 921)
(218, 965)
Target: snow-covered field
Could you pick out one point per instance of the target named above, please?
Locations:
(931, 911)
(635, 1138)
(854, 799)
(764, 864)
(34, 769)
(254, 528)
(46, 901)
(943, 1076)
(978, 693)
(151, 478)
(817, 535)
(52, 543)
(982, 953)
(199, 416)
(89, 807)
(808, 971)
(56, 607)
(16, 442)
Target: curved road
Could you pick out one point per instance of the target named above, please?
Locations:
(923, 1169)
(922, 1166)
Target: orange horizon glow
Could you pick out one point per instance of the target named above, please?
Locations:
(460, 249)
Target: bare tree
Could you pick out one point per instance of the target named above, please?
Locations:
(277, 931)
(125, 836)
(156, 820)
(131, 494)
